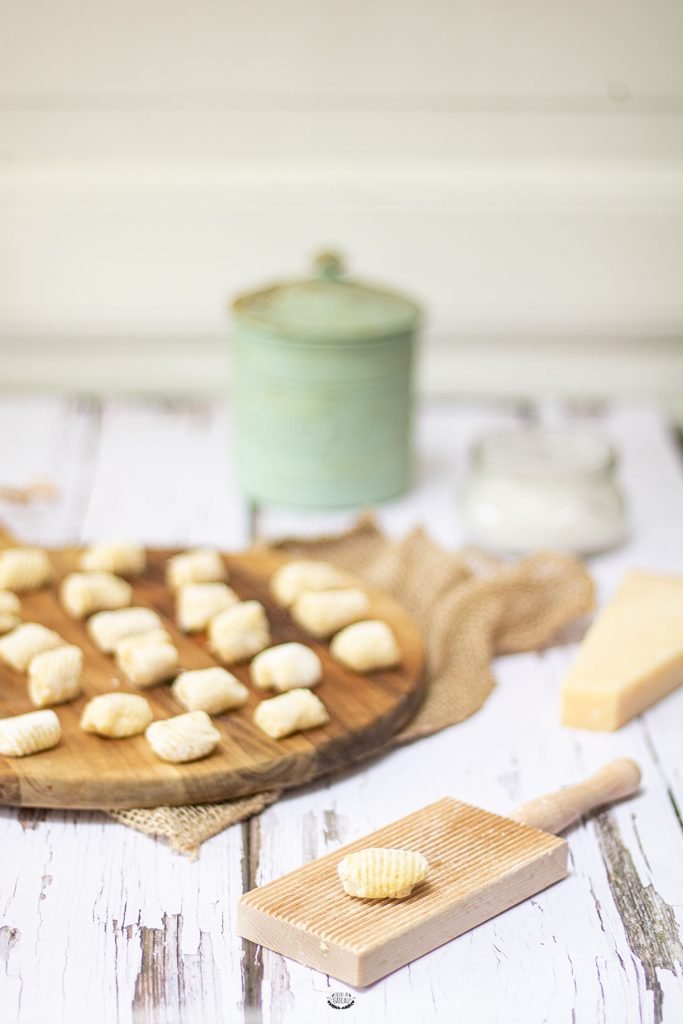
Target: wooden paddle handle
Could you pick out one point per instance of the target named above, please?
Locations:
(554, 812)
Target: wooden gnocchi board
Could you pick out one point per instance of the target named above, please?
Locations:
(87, 771)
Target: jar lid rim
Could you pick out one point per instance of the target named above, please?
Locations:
(533, 453)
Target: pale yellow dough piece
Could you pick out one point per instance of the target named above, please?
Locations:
(82, 593)
(213, 690)
(109, 628)
(379, 873)
(198, 603)
(286, 667)
(116, 556)
(366, 646)
(147, 663)
(239, 632)
(54, 677)
(28, 734)
(203, 565)
(116, 715)
(290, 712)
(25, 642)
(631, 656)
(151, 636)
(10, 611)
(24, 569)
(186, 737)
(322, 613)
(292, 579)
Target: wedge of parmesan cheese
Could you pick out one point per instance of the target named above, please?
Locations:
(631, 656)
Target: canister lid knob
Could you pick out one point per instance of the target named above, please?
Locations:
(329, 264)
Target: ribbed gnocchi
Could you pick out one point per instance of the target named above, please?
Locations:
(25, 642)
(108, 628)
(366, 646)
(24, 569)
(117, 556)
(286, 667)
(294, 578)
(197, 603)
(378, 873)
(148, 662)
(325, 612)
(54, 677)
(239, 632)
(290, 712)
(116, 715)
(150, 636)
(82, 593)
(23, 735)
(213, 690)
(187, 737)
(10, 611)
(203, 565)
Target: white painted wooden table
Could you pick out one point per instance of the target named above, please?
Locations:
(98, 922)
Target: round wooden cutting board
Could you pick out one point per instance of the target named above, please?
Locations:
(87, 771)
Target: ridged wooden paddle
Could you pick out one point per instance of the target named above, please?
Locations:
(480, 864)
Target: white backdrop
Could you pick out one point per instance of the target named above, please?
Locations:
(517, 166)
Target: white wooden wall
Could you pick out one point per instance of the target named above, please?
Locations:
(517, 165)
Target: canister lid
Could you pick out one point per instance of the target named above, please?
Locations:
(327, 307)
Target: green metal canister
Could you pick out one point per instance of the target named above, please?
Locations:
(323, 390)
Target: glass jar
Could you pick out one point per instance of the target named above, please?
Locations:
(540, 488)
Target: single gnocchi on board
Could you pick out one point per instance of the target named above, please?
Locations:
(116, 715)
(23, 735)
(24, 569)
(286, 667)
(147, 662)
(187, 737)
(202, 565)
(294, 578)
(10, 611)
(324, 612)
(290, 712)
(54, 677)
(240, 632)
(214, 690)
(25, 642)
(83, 593)
(198, 603)
(120, 557)
(366, 646)
(379, 873)
(108, 629)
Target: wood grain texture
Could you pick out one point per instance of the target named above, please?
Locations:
(88, 771)
(479, 865)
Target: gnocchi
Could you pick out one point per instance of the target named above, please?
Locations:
(290, 712)
(323, 613)
(10, 608)
(23, 569)
(286, 667)
(27, 734)
(116, 715)
(197, 603)
(213, 690)
(25, 642)
(378, 873)
(239, 632)
(116, 556)
(203, 565)
(148, 662)
(187, 737)
(82, 593)
(151, 636)
(366, 646)
(54, 677)
(107, 629)
(294, 578)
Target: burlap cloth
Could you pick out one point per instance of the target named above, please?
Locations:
(469, 607)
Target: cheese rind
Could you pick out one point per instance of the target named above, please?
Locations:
(631, 656)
